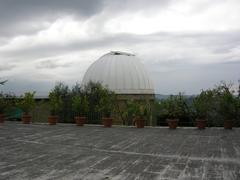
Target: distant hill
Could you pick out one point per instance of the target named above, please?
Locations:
(161, 96)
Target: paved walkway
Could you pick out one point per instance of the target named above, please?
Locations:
(92, 152)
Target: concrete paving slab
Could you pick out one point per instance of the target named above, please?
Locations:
(65, 151)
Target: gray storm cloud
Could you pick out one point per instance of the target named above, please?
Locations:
(185, 45)
(18, 16)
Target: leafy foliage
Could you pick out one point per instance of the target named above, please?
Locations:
(107, 102)
(174, 107)
(132, 109)
(94, 100)
(227, 101)
(129, 111)
(100, 98)
(27, 102)
(80, 105)
(143, 109)
(55, 102)
(77, 90)
(203, 104)
(92, 91)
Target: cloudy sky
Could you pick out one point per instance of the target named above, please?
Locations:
(186, 45)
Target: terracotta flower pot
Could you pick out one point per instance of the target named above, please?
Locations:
(80, 120)
(26, 118)
(107, 122)
(2, 118)
(172, 123)
(52, 120)
(139, 123)
(228, 124)
(201, 123)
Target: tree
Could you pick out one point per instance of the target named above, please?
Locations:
(62, 95)
(80, 105)
(227, 101)
(55, 102)
(101, 101)
(203, 104)
(27, 102)
(107, 102)
(175, 107)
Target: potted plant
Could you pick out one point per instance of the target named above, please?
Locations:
(55, 103)
(3, 106)
(202, 105)
(26, 103)
(174, 107)
(227, 104)
(140, 116)
(142, 112)
(127, 112)
(80, 108)
(107, 106)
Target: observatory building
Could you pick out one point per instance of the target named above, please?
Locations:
(122, 73)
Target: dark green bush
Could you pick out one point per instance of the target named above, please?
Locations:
(80, 105)
(101, 101)
(203, 104)
(26, 102)
(174, 107)
(227, 102)
(55, 102)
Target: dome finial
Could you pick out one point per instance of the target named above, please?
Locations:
(120, 53)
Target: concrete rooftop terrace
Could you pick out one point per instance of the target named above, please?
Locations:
(65, 151)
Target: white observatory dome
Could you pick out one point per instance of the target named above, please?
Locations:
(121, 72)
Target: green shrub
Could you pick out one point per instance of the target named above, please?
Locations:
(80, 105)
(133, 108)
(174, 107)
(107, 102)
(203, 104)
(143, 109)
(127, 112)
(101, 101)
(55, 102)
(227, 101)
(27, 102)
